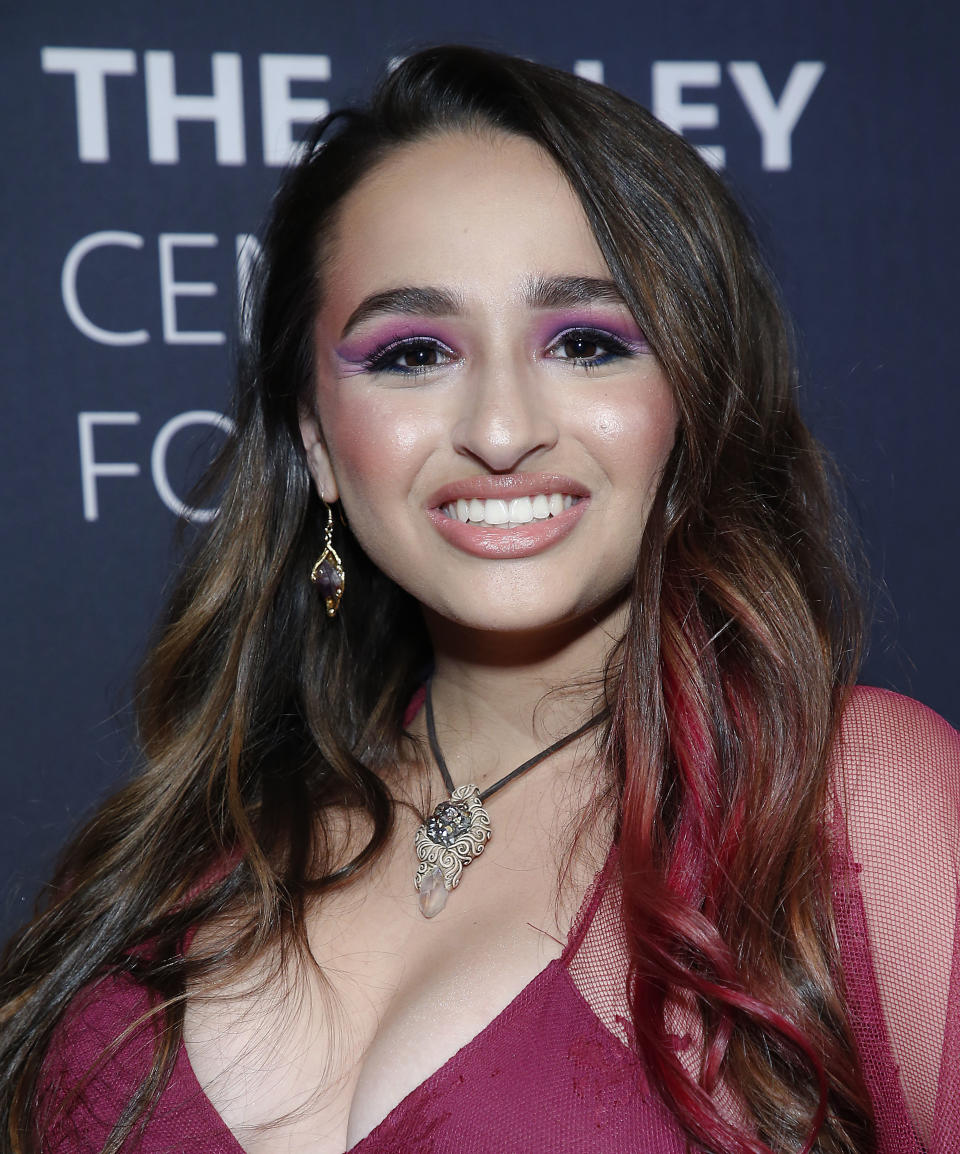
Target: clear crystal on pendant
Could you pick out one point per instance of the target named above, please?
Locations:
(433, 894)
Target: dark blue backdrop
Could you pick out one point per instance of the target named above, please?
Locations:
(121, 216)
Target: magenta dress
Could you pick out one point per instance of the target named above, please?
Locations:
(555, 1070)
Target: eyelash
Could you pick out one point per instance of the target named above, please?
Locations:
(384, 358)
(614, 347)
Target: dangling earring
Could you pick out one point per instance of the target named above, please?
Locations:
(327, 573)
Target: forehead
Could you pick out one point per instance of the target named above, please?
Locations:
(468, 210)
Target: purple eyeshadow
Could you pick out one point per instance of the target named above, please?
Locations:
(355, 353)
(626, 331)
(359, 350)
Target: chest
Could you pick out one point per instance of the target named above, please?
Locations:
(300, 1057)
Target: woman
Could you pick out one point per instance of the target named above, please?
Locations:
(545, 817)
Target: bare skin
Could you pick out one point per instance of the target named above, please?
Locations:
(314, 1064)
(311, 1063)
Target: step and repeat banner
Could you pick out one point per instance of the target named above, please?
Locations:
(141, 143)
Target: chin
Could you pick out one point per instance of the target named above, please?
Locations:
(513, 622)
(496, 618)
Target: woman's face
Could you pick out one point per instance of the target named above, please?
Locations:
(489, 412)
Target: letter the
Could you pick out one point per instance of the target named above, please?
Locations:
(90, 67)
(280, 110)
(166, 108)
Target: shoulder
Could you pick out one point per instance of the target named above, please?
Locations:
(98, 1056)
(892, 746)
(102, 1015)
(896, 775)
(873, 716)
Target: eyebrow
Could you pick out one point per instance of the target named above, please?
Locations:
(540, 293)
(558, 292)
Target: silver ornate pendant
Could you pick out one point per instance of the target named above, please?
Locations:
(451, 837)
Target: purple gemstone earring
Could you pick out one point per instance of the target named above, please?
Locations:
(327, 573)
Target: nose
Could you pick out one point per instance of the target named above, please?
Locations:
(505, 418)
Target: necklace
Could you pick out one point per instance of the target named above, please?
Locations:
(459, 827)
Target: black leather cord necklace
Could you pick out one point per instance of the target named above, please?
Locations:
(459, 827)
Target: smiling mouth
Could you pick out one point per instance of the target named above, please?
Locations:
(494, 513)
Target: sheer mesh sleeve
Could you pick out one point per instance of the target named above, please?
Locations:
(897, 772)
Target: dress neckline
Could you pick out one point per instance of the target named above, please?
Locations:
(527, 994)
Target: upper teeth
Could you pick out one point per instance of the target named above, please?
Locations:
(506, 514)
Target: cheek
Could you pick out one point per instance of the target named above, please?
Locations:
(634, 433)
(373, 441)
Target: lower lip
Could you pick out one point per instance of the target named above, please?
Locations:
(504, 544)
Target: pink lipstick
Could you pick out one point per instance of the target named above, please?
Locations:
(507, 516)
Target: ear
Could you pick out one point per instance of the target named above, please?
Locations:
(318, 459)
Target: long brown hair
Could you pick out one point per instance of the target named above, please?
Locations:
(256, 714)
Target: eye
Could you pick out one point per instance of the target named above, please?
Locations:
(408, 357)
(588, 348)
(581, 348)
